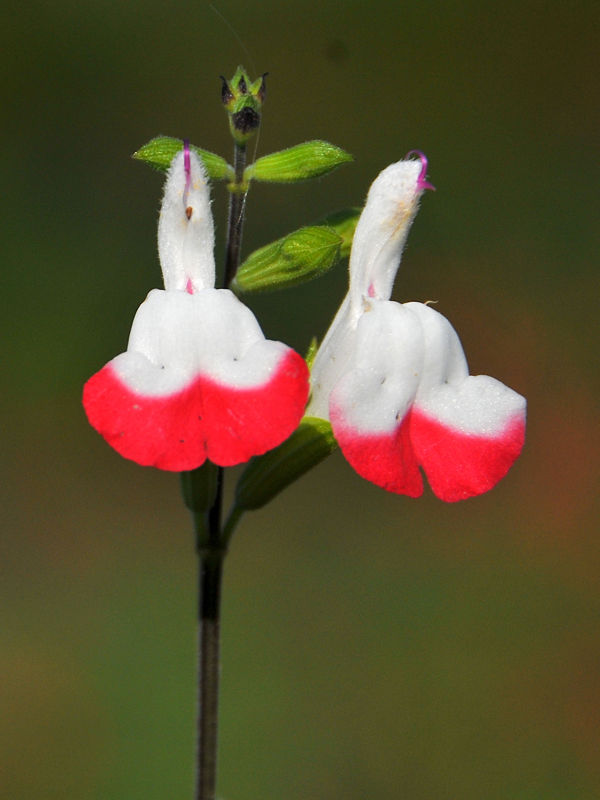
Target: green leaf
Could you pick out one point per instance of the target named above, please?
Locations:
(298, 257)
(308, 160)
(344, 224)
(160, 152)
(266, 476)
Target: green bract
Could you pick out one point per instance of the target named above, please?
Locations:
(344, 224)
(266, 476)
(308, 160)
(160, 152)
(311, 353)
(298, 257)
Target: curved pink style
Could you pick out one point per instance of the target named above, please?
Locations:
(421, 182)
(204, 420)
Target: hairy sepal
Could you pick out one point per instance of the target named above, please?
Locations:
(344, 224)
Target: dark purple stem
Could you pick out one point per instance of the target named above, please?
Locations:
(212, 550)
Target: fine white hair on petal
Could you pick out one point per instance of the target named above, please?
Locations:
(176, 336)
(332, 360)
(477, 405)
(381, 232)
(379, 238)
(379, 387)
(445, 360)
(186, 235)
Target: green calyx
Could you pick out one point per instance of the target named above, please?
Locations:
(299, 163)
(344, 224)
(299, 257)
(266, 476)
(243, 101)
(159, 153)
(199, 490)
(199, 487)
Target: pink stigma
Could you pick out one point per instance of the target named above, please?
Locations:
(422, 184)
(188, 287)
(186, 157)
(187, 166)
(371, 291)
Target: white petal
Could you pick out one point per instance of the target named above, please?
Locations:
(468, 404)
(480, 405)
(185, 228)
(444, 360)
(380, 385)
(332, 359)
(382, 229)
(380, 235)
(177, 336)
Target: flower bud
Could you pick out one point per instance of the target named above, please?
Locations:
(296, 258)
(243, 101)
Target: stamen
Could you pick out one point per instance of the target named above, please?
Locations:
(422, 184)
(189, 211)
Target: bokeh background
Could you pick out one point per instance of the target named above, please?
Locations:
(373, 645)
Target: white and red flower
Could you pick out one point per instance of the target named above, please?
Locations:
(393, 379)
(198, 380)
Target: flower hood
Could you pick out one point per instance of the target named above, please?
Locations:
(393, 379)
(198, 380)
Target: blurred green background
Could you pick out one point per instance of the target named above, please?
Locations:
(373, 646)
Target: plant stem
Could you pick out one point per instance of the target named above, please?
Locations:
(212, 548)
(211, 571)
(211, 553)
(235, 222)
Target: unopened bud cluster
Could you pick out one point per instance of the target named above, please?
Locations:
(243, 101)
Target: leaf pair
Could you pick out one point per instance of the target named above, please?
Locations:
(299, 163)
(300, 256)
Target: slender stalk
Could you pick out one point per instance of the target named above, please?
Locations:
(211, 571)
(211, 554)
(212, 548)
(235, 223)
(231, 522)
